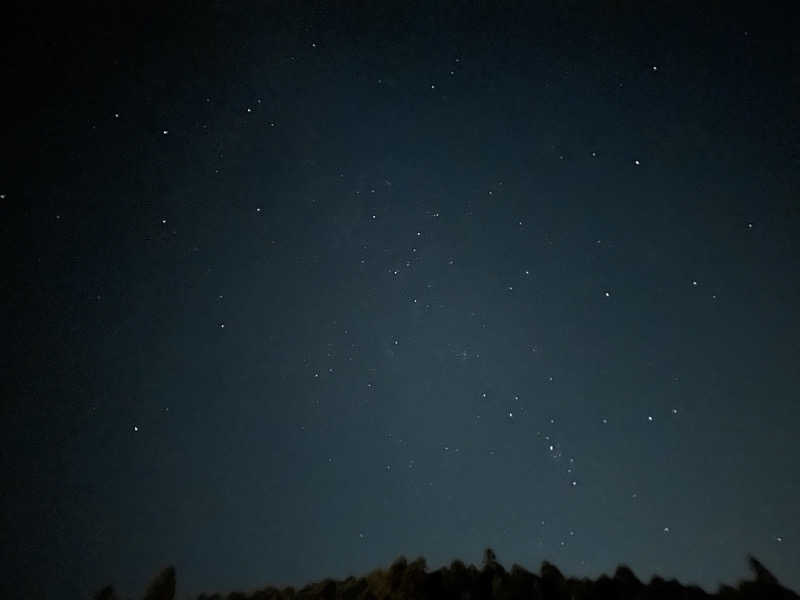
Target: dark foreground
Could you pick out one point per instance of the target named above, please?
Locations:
(404, 580)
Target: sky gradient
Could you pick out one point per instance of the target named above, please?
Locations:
(298, 290)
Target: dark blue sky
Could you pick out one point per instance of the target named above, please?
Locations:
(295, 291)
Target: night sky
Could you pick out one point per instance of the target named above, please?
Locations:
(295, 289)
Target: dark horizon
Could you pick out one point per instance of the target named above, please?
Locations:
(457, 580)
(297, 288)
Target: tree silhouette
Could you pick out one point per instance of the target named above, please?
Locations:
(412, 581)
(489, 558)
(163, 586)
(107, 593)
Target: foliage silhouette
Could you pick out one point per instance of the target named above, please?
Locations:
(412, 581)
(107, 593)
(163, 586)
